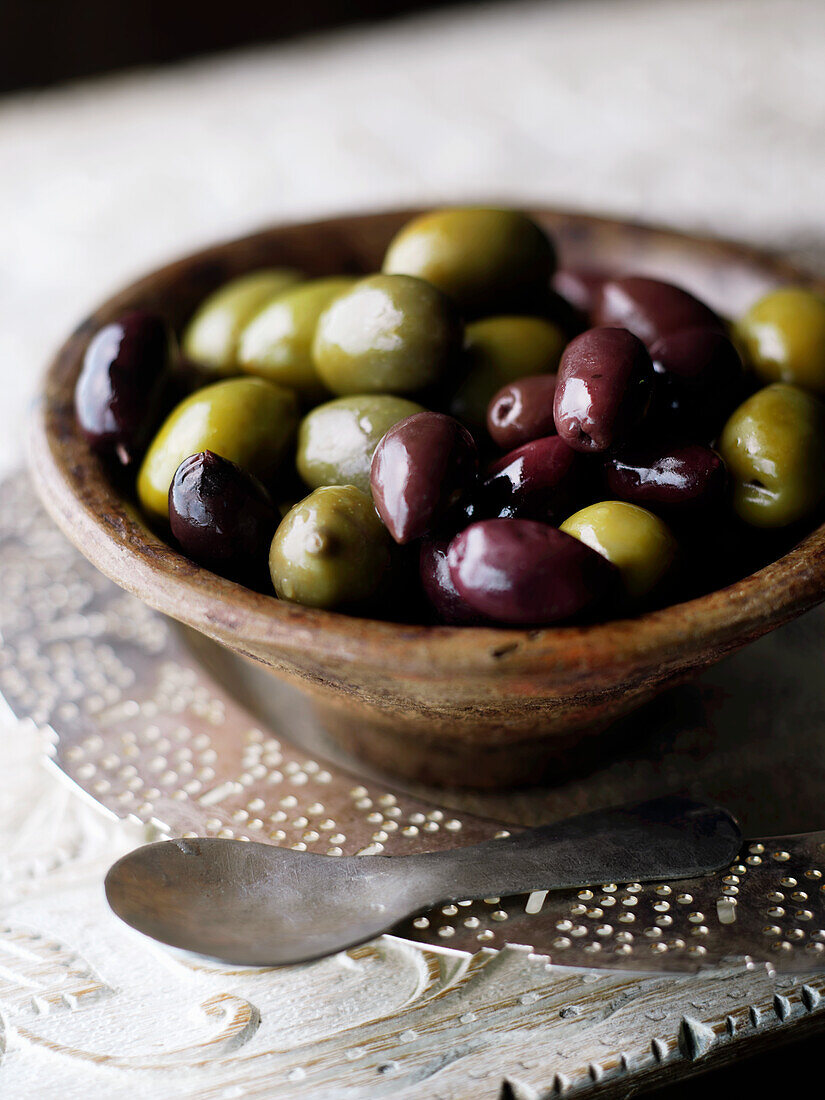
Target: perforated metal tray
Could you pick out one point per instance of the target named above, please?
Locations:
(141, 725)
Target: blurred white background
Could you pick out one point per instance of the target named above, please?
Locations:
(705, 114)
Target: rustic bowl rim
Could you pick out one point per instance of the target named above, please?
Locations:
(106, 527)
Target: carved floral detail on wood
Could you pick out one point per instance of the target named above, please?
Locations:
(388, 1019)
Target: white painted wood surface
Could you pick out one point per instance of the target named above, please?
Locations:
(135, 722)
(702, 113)
(90, 1010)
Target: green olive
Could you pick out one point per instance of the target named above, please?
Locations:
(331, 550)
(638, 543)
(499, 350)
(211, 337)
(387, 334)
(782, 337)
(484, 259)
(336, 441)
(774, 447)
(247, 420)
(277, 342)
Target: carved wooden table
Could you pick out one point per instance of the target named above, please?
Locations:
(119, 693)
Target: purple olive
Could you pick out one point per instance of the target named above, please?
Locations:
(120, 394)
(438, 585)
(700, 380)
(650, 309)
(673, 480)
(222, 517)
(522, 411)
(603, 388)
(539, 480)
(580, 286)
(519, 571)
(419, 470)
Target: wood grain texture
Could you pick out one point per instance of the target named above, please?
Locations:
(385, 1020)
(461, 706)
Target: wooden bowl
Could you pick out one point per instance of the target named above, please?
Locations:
(455, 706)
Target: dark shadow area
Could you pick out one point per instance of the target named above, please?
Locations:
(755, 1075)
(48, 41)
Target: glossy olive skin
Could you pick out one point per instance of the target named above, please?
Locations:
(248, 421)
(420, 469)
(638, 543)
(386, 334)
(336, 440)
(650, 308)
(222, 517)
(522, 411)
(123, 385)
(330, 550)
(603, 389)
(482, 258)
(499, 350)
(277, 342)
(774, 448)
(438, 587)
(211, 337)
(700, 379)
(539, 480)
(783, 338)
(580, 286)
(673, 480)
(518, 571)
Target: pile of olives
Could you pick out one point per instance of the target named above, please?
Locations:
(471, 435)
